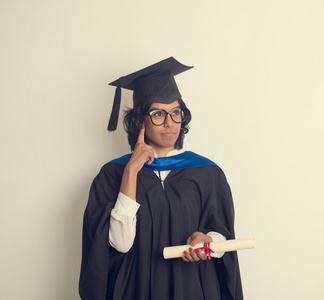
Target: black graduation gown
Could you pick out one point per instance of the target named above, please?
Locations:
(193, 199)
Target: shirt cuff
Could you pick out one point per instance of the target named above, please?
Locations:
(126, 205)
(217, 237)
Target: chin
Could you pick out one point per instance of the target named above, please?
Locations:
(168, 144)
(164, 142)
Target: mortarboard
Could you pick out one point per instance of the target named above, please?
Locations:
(155, 83)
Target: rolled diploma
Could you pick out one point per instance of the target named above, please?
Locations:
(226, 246)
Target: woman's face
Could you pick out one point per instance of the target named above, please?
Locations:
(162, 138)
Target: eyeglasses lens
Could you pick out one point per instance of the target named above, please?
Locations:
(158, 117)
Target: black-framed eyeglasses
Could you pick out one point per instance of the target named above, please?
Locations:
(158, 116)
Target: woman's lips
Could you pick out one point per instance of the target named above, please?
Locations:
(168, 134)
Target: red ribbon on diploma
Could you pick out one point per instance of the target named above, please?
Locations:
(206, 249)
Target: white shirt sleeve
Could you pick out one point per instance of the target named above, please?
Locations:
(217, 237)
(122, 228)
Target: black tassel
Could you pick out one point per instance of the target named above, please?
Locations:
(112, 125)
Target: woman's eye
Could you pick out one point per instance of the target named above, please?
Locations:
(158, 114)
(176, 112)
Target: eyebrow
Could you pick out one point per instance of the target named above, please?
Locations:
(155, 108)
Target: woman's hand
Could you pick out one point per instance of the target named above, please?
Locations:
(142, 153)
(193, 240)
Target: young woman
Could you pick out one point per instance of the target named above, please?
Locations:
(157, 196)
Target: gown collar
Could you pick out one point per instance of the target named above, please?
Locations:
(184, 160)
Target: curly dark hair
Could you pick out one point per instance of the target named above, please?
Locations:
(134, 117)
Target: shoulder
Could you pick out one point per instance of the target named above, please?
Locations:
(116, 163)
(205, 165)
(204, 161)
(122, 160)
(112, 170)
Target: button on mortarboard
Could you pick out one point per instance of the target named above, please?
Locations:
(155, 83)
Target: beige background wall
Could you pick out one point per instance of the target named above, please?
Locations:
(256, 94)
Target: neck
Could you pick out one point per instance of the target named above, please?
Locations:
(163, 152)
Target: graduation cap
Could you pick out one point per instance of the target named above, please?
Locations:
(155, 83)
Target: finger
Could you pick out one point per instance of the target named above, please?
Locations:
(150, 159)
(184, 258)
(194, 255)
(150, 156)
(149, 152)
(198, 238)
(192, 239)
(189, 240)
(202, 255)
(188, 256)
(195, 240)
(141, 135)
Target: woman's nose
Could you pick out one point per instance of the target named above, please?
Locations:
(168, 122)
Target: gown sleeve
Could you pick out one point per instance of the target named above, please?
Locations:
(218, 215)
(98, 257)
